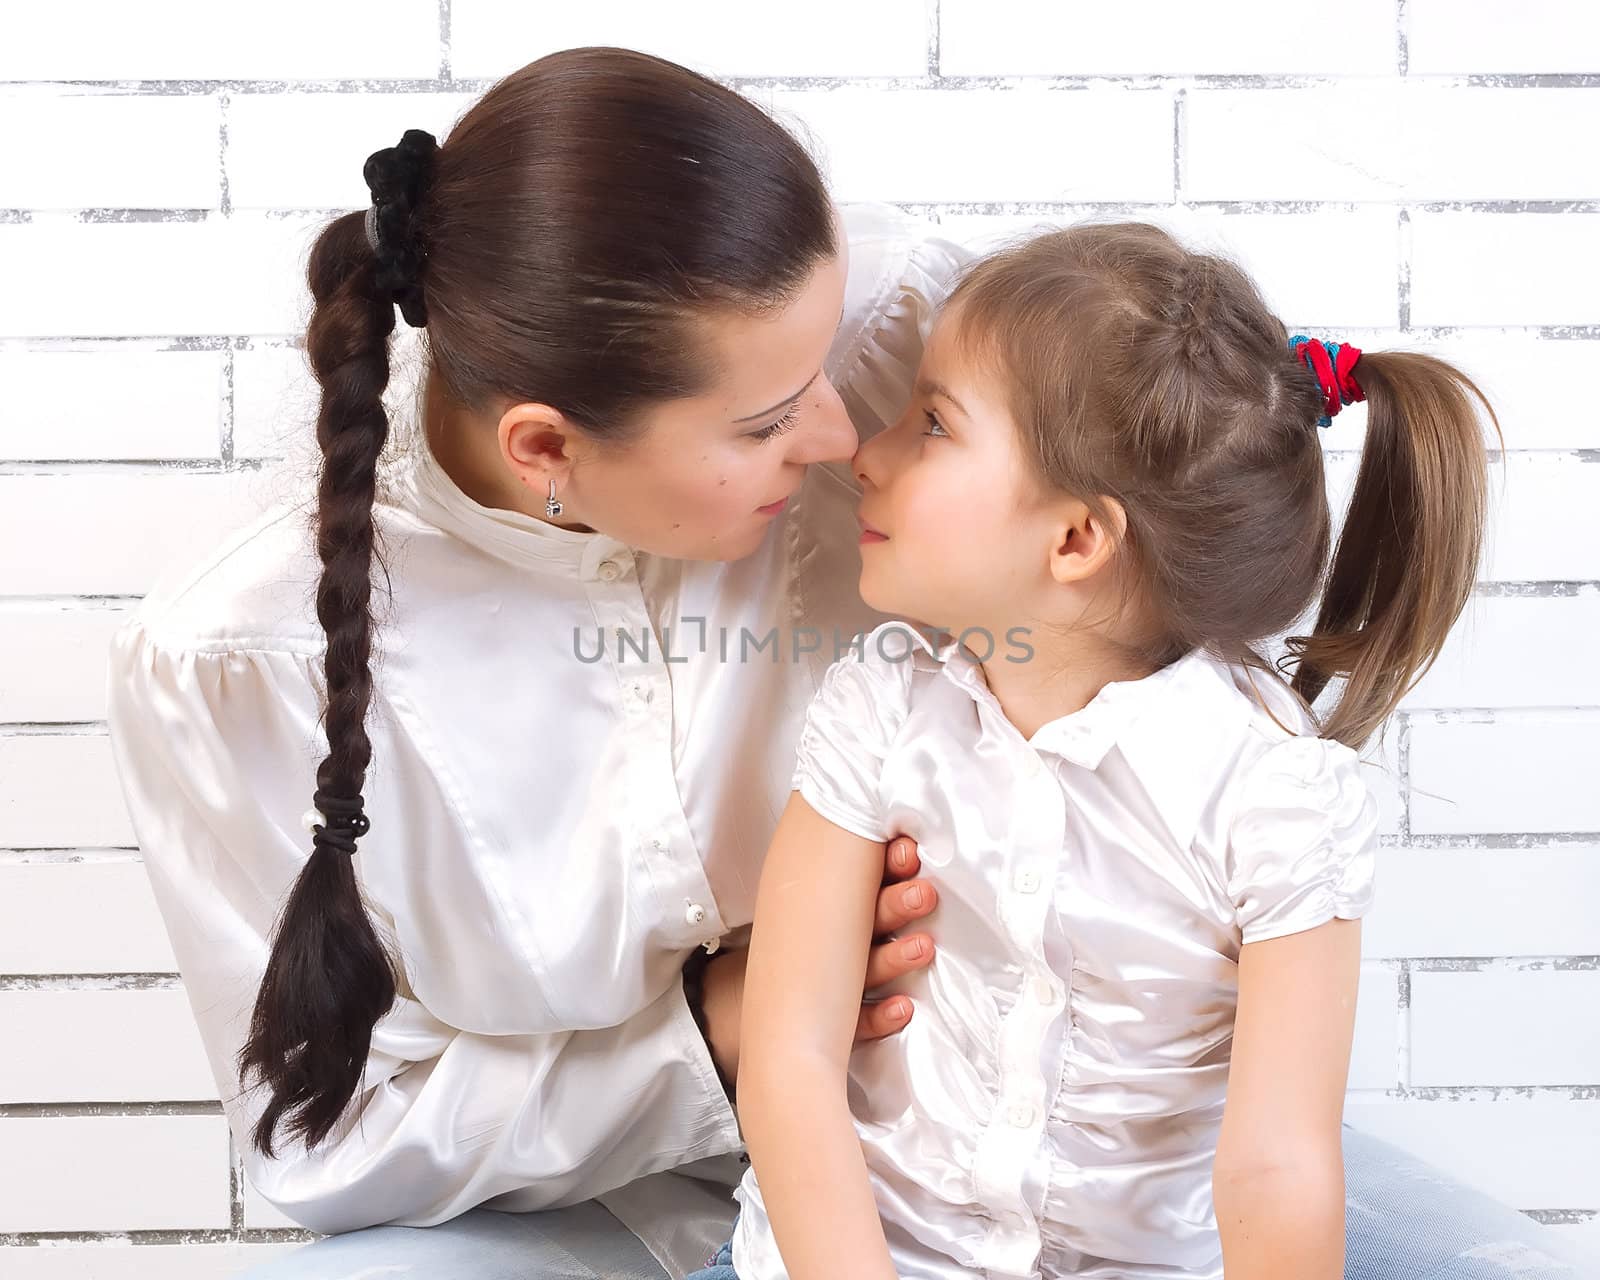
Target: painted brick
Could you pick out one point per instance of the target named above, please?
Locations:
(1375, 1056)
(225, 276)
(1165, 37)
(53, 661)
(1395, 140)
(717, 37)
(1505, 1028)
(60, 793)
(196, 40)
(78, 148)
(1490, 36)
(110, 403)
(1270, 246)
(1489, 660)
(115, 533)
(79, 1173)
(1485, 902)
(1470, 268)
(1531, 773)
(967, 145)
(158, 1057)
(306, 150)
(81, 918)
(1544, 520)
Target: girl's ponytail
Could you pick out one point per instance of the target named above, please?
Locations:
(328, 979)
(1407, 558)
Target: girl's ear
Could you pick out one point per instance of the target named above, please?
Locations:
(1087, 538)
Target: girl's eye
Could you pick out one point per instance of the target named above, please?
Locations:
(778, 427)
(934, 425)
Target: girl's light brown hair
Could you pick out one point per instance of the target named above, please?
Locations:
(1141, 372)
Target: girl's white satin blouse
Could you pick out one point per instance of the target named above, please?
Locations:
(554, 824)
(1053, 1106)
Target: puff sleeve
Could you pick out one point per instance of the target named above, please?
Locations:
(1302, 840)
(849, 730)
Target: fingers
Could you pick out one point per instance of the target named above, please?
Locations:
(900, 860)
(900, 904)
(883, 1019)
(890, 960)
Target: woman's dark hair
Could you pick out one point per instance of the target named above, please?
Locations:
(1140, 371)
(570, 231)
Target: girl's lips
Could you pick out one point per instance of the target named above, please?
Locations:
(772, 509)
(869, 534)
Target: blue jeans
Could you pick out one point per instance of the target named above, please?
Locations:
(1404, 1221)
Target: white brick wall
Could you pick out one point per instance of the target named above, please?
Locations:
(1417, 172)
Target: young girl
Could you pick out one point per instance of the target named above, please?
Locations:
(1129, 1055)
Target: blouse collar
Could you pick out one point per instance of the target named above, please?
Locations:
(1189, 689)
(512, 536)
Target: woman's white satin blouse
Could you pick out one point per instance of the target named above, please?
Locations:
(1053, 1106)
(550, 834)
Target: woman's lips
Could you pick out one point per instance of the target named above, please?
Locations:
(772, 508)
(869, 534)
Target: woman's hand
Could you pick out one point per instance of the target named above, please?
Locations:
(901, 901)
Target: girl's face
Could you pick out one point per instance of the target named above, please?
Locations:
(966, 532)
(703, 478)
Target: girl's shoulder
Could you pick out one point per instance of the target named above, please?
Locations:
(1208, 739)
(875, 676)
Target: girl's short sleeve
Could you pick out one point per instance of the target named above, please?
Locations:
(1302, 841)
(849, 729)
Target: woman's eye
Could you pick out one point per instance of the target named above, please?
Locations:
(778, 427)
(934, 425)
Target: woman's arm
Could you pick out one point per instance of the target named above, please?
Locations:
(1278, 1182)
(212, 750)
(808, 960)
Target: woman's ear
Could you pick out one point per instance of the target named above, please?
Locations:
(1087, 539)
(538, 443)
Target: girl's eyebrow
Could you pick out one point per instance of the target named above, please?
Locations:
(925, 387)
(786, 400)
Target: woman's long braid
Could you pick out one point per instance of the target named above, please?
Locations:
(328, 979)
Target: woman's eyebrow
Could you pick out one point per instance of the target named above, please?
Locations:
(786, 400)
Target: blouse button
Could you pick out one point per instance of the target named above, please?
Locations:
(1027, 880)
(1044, 990)
(1035, 766)
(1021, 1115)
(695, 915)
(610, 571)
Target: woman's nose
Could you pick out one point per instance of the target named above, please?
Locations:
(832, 437)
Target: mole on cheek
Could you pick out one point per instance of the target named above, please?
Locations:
(722, 481)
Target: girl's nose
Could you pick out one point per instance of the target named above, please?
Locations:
(867, 465)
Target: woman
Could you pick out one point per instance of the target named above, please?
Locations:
(610, 579)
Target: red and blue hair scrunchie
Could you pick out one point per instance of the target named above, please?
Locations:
(1334, 364)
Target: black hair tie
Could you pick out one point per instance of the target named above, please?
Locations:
(399, 178)
(343, 822)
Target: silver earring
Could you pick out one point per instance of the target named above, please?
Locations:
(551, 506)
